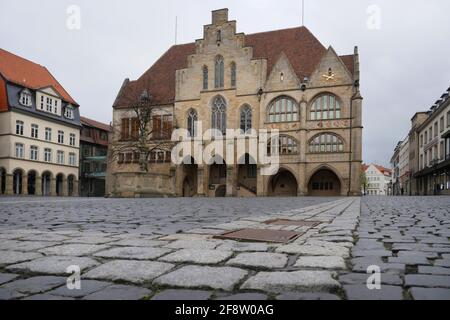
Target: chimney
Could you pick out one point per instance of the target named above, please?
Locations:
(219, 16)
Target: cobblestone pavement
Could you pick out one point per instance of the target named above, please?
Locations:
(166, 249)
(408, 238)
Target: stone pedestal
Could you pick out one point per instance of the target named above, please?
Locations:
(52, 187)
(201, 181)
(231, 181)
(64, 188)
(75, 189)
(24, 184)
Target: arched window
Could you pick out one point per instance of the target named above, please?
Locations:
(205, 78)
(233, 74)
(283, 109)
(219, 114)
(326, 143)
(326, 107)
(246, 118)
(285, 145)
(25, 98)
(219, 72)
(192, 122)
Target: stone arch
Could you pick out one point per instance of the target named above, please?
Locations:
(325, 181)
(46, 181)
(338, 137)
(190, 177)
(296, 105)
(219, 110)
(217, 172)
(59, 184)
(247, 173)
(71, 185)
(245, 113)
(2, 180)
(18, 185)
(283, 184)
(318, 95)
(31, 182)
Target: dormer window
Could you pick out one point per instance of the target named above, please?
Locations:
(25, 98)
(69, 112)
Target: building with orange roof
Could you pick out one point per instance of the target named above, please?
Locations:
(39, 131)
(379, 180)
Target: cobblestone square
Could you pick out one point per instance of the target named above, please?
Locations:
(166, 248)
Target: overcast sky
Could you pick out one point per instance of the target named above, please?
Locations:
(405, 63)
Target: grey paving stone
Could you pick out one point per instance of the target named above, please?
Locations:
(53, 265)
(361, 292)
(134, 253)
(140, 243)
(292, 296)
(129, 270)
(434, 270)
(7, 277)
(120, 292)
(260, 260)
(198, 256)
(314, 250)
(193, 244)
(371, 252)
(431, 281)
(430, 294)
(87, 287)
(410, 260)
(47, 297)
(10, 257)
(442, 263)
(321, 262)
(279, 282)
(20, 288)
(362, 278)
(224, 278)
(6, 294)
(73, 249)
(243, 246)
(173, 294)
(244, 297)
(91, 240)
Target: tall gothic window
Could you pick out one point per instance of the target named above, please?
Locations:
(326, 143)
(283, 109)
(326, 107)
(205, 78)
(219, 114)
(192, 122)
(246, 118)
(233, 74)
(219, 72)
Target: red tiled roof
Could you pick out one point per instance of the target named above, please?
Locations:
(382, 169)
(29, 74)
(95, 124)
(301, 47)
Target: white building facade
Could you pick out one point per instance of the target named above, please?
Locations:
(378, 180)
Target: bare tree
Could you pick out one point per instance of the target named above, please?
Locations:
(139, 139)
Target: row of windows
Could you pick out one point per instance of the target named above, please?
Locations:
(48, 133)
(434, 130)
(435, 154)
(47, 104)
(219, 74)
(282, 109)
(157, 156)
(162, 126)
(48, 155)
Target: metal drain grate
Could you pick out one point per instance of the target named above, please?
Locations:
(260, 235)
(299, 223)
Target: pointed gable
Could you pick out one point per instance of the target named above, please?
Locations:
(283, 75)
(330, 60)
(301, 48)
(29, 74)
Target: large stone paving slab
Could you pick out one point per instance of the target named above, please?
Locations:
(11, 257)
(260, 260)
(53, 265)
(225, 278)
(73, 250)
(197, 256)
(128, 270)
(20, 288)
(292, 281)
(133, 253)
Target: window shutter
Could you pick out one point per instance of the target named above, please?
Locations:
(156, 127)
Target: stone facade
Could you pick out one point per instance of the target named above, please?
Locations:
(324, 154)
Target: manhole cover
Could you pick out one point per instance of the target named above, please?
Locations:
(300, 223)
(262, 235)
